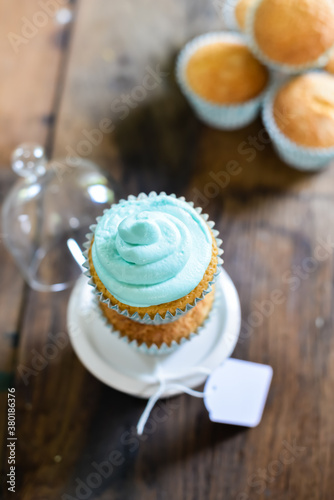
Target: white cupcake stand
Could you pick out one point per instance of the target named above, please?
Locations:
(122, 367)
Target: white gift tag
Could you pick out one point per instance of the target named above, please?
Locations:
(236, 392)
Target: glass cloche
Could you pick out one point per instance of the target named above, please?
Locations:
(47, 214)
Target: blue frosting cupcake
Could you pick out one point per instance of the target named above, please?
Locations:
(153, 260)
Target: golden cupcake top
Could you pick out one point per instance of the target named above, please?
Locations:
(304, 109)
(294, 32)
(241, 10)
(226, 73)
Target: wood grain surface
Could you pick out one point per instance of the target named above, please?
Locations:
(277, 226)
(30, 78)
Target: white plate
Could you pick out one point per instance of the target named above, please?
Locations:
(123, 367)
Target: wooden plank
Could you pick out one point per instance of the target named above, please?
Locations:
(30, 73)
(26, 111)
(31, 48)
(273, 221)
(11, 296)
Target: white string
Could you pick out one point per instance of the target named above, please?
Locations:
(163, 386)
(150, 403)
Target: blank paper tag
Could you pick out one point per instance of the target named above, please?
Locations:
(236, 392)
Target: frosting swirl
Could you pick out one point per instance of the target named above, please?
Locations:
(151, 250)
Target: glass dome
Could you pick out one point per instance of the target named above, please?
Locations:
(47, 214)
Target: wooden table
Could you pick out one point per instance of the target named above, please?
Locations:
(277, 225)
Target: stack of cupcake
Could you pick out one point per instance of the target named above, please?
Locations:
(227, 76)
(153, 261)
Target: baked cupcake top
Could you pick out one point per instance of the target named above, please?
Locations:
(151, 250)
(304, 109)
(226, 72)
(241, 10)
(294, 32)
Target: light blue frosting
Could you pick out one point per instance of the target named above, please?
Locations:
(151, 250)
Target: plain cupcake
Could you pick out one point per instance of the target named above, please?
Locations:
(291, 35)
(222, 79)
(153, 261)
(299, 116)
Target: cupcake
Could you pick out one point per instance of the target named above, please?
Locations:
(222, 80)
(299, 117)
(153, 261)
(291, 35)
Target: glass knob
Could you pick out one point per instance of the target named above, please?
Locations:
(29, 160)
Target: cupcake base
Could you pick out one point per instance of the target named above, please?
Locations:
(307, 159)
(222, 117)
(167, 333)
(117, 364)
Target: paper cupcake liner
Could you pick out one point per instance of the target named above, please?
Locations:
(169, 316)
(228, 15)
(164, 349)
(320, 62)
(295, 155)
(223, 117)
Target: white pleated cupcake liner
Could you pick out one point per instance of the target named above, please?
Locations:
(222, 117)
(228, 15)
(169, 316)
(320, 62)
(295, 155)
(163, 349)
